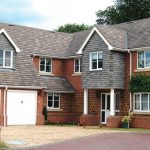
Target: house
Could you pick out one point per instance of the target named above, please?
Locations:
(80, 77)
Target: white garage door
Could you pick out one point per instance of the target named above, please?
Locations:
(21, 107)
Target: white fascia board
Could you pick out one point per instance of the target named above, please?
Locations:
(10, 40)
(88, 38)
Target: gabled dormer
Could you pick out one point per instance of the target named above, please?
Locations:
(7, 49)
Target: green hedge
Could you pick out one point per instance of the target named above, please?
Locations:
(139, 83)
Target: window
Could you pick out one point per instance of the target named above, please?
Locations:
(142, 102)
(45, 65)
(144, 59)
(78, 65)
(54, 100)
(6, 58)
(96, 60)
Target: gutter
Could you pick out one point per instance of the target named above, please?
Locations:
(23, 87)
(49, 91)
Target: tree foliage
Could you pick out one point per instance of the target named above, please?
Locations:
(124, 11)
(71, 28)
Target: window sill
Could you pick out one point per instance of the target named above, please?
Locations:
(96, 69)
(141, 70)
(53, 109)
(77, 74)
(46, 74)
(141, 113)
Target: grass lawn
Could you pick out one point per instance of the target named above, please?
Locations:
(138, 130)
(3, 145)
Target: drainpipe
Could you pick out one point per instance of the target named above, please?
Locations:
(126, 45)
(4, 109)
(130, 78)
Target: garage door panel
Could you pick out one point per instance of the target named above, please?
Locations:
(21, 107)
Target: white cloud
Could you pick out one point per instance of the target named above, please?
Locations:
(60, 12)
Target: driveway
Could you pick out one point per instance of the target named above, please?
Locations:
(110, 141)
(25, 136)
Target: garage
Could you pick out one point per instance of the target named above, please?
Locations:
(21, 107)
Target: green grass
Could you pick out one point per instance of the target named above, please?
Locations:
(139, 130)
(3, 145)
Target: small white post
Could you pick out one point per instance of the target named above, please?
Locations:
(112, 102)
(85, 101)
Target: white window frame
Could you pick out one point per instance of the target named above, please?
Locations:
(45, 65)
(144, 111)
(80, 65)
(90, 65)
(53, 101)
(11, 59)
(144, 60)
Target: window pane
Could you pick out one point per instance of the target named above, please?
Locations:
(94, 57)
(8, 54)
(99, 55)
(94, 65)
(80, 65)
(42, 62)
(100, 64)
(56, 96)
(144, 102)
(48, 68)
(42, 67)
(56, 104)
(147, 55)
(76, 68)
(7, 62)
(50, 103)
(1, 58)
(48, 61)
(137, 102)
(140, 59)
(50, 96)
(77, 62)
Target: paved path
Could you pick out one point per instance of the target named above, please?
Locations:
(109, 141)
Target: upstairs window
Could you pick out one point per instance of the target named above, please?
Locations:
(54, 100)
(96, 60)
(45, 65)
(78, 65)
(144, 59)
(6, 59)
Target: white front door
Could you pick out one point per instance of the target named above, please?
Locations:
(21, 107)
(105, 107)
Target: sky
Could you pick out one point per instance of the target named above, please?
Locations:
(50, 14)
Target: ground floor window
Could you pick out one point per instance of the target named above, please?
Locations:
(142, 102)
(53, 100)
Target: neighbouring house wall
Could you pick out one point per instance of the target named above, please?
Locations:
(112, 74)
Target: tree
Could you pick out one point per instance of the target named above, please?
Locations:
(124, 11)
(71, 28)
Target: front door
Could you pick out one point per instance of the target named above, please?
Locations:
(105, 107)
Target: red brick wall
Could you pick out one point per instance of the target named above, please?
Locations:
(75, 80)
(36, 62)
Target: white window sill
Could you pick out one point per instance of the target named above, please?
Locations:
(141, 112)
(141, 70)
(96, 69)
(54, 109)
(46, 74)
(77, 74)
